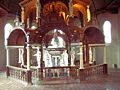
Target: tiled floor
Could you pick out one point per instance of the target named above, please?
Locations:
(103, 82)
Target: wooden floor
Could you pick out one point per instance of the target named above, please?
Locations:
(99, 82)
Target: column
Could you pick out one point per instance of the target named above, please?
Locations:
(28, 53)
(105, 55)
(87, 53)
(81, 58)
(19, 61)
(7, 61)
(94, 59)
(8, 57)
(38, 56)
(70, 8)
(41, 61)
(38, 10)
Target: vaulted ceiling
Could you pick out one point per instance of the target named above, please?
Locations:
(97, 6)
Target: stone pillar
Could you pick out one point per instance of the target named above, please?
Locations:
(87, 53)
(40, 70)
(28, 53)
(105, 55)
(70, 8)
(38, 11)
(72, 57)
(41, 61)
(94, 57)
(8, 57)
(84, 54)
(81, 57)
(68, 51)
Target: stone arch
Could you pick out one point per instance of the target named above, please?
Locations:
(17, 38)
(93, 35)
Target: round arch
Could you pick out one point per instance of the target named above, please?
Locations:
(17, 38)
(48, 37)
(58, 7)
(93, 35)
(70, 32)
(81, 8)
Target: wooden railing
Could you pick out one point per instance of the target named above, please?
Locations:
(56, 72)
(19, 73)
(92, 70)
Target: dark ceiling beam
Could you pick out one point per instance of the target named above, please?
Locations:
(112, 7)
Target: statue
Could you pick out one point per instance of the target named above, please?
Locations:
(72, 57)
(38, 56)
(64, 59)
(47, 59)
(90, 56)
(21, 59)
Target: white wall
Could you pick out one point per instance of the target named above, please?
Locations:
(113, 50)
(3, 21)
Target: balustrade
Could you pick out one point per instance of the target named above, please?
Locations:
(56, 72)
(19, 73)
(93, 70)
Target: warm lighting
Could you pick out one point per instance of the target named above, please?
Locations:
(80, 8)
(88, 14)
(107, 31)
(23, 14)
(33, 27)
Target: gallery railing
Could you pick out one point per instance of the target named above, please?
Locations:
(92, 70)
(19, 73)
(55, 72)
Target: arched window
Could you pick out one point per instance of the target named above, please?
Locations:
(107, 31)
(7, 30)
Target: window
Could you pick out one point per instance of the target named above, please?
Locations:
(107, 31)
(7, 31)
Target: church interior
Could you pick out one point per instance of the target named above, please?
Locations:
(59, 41)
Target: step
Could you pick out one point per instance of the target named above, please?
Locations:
(56, 81)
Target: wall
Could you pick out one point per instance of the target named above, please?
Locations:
(113, 50)
(2, 48)
(3, 21)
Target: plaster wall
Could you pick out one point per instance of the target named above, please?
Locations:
(113, 50)
(14, 56)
